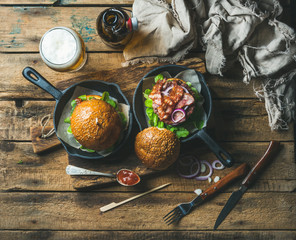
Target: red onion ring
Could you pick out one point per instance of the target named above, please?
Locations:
(202, 178)
(193, 173)
(166, 92)
(178, 110)
(219, 167)
(185, 89)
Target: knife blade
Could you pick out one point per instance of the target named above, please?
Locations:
(249, 179)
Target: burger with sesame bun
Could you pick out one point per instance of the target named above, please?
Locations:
(95, 122)
(157, 148)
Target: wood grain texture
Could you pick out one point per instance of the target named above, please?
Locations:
(236, 173)
(285, 3)
(28, 24)
(80, 211)
(46, 172)
(37, 197)
(99, 66)
(43, 144)
(23, 2)
(144, 235)
(226, 121)
(272, 150)
(126, 161)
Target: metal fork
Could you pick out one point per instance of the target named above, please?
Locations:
(184, 208)
(181, 210)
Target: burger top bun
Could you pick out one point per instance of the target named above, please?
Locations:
(157, 148)
(95, 124)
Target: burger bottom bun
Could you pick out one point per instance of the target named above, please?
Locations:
(157, 148)
(95, 124)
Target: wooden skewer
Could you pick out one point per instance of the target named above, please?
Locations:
(114, 205)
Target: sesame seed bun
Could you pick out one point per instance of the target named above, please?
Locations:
(95, 124)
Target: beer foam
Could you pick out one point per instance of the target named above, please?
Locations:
(59, 46)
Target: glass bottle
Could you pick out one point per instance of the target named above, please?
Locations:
(115, 27)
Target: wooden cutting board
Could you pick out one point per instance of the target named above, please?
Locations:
(127, 78)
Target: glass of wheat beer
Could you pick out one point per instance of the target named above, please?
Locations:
(62, 49)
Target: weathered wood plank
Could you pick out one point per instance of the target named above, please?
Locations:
(80, 211)
(17, 120)
(23, 2)
(231, 120)
(100, 66)
(144, 235)
(95, 2)
(66, 2)
(47, 172)
(27, 25)
(285, 3)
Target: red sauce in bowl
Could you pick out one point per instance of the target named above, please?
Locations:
(127, 177)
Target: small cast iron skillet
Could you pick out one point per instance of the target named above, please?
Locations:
(139, 111)
(62, 97)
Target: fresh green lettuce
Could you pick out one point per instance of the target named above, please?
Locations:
(180, 130)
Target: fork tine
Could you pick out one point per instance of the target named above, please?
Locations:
(167, 215)
(172, 215)
(175, 220)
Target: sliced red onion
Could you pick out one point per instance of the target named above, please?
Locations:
(193, 172)
(180, 119)
(185, 89)
(219, 167)
(202, 178)
(166, 92)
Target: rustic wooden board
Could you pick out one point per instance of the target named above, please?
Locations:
(95, 2)
(234, 114)
(14, 85)
(285, 3)
(46, 172)
(94, 182)
(65, 2)
(27, 25)
(144, 235)
(40, 144)
(80, 211)
(23, 2)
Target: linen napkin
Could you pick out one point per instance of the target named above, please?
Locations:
(230, 30)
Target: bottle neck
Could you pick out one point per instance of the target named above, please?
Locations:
(114, 20)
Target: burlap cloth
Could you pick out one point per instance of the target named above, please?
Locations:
(230, 31)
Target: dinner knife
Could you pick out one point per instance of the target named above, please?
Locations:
(249, 179)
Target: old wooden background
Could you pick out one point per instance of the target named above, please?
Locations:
(37, 198)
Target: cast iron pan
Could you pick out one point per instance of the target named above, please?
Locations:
(139, 111)
(62, 97)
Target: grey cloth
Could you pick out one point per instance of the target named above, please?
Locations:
(230, 31)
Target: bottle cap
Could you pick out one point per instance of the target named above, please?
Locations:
(132, 24)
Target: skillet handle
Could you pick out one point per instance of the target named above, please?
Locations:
(34, 77)
(221, 154)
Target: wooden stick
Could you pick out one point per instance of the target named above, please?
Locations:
(114, 205)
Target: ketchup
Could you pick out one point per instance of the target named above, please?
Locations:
(128, 177)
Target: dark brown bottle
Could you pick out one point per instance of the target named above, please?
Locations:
(115, 27)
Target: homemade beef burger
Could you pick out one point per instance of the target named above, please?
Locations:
(157, 148)
(173, 100)
(95, 124)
